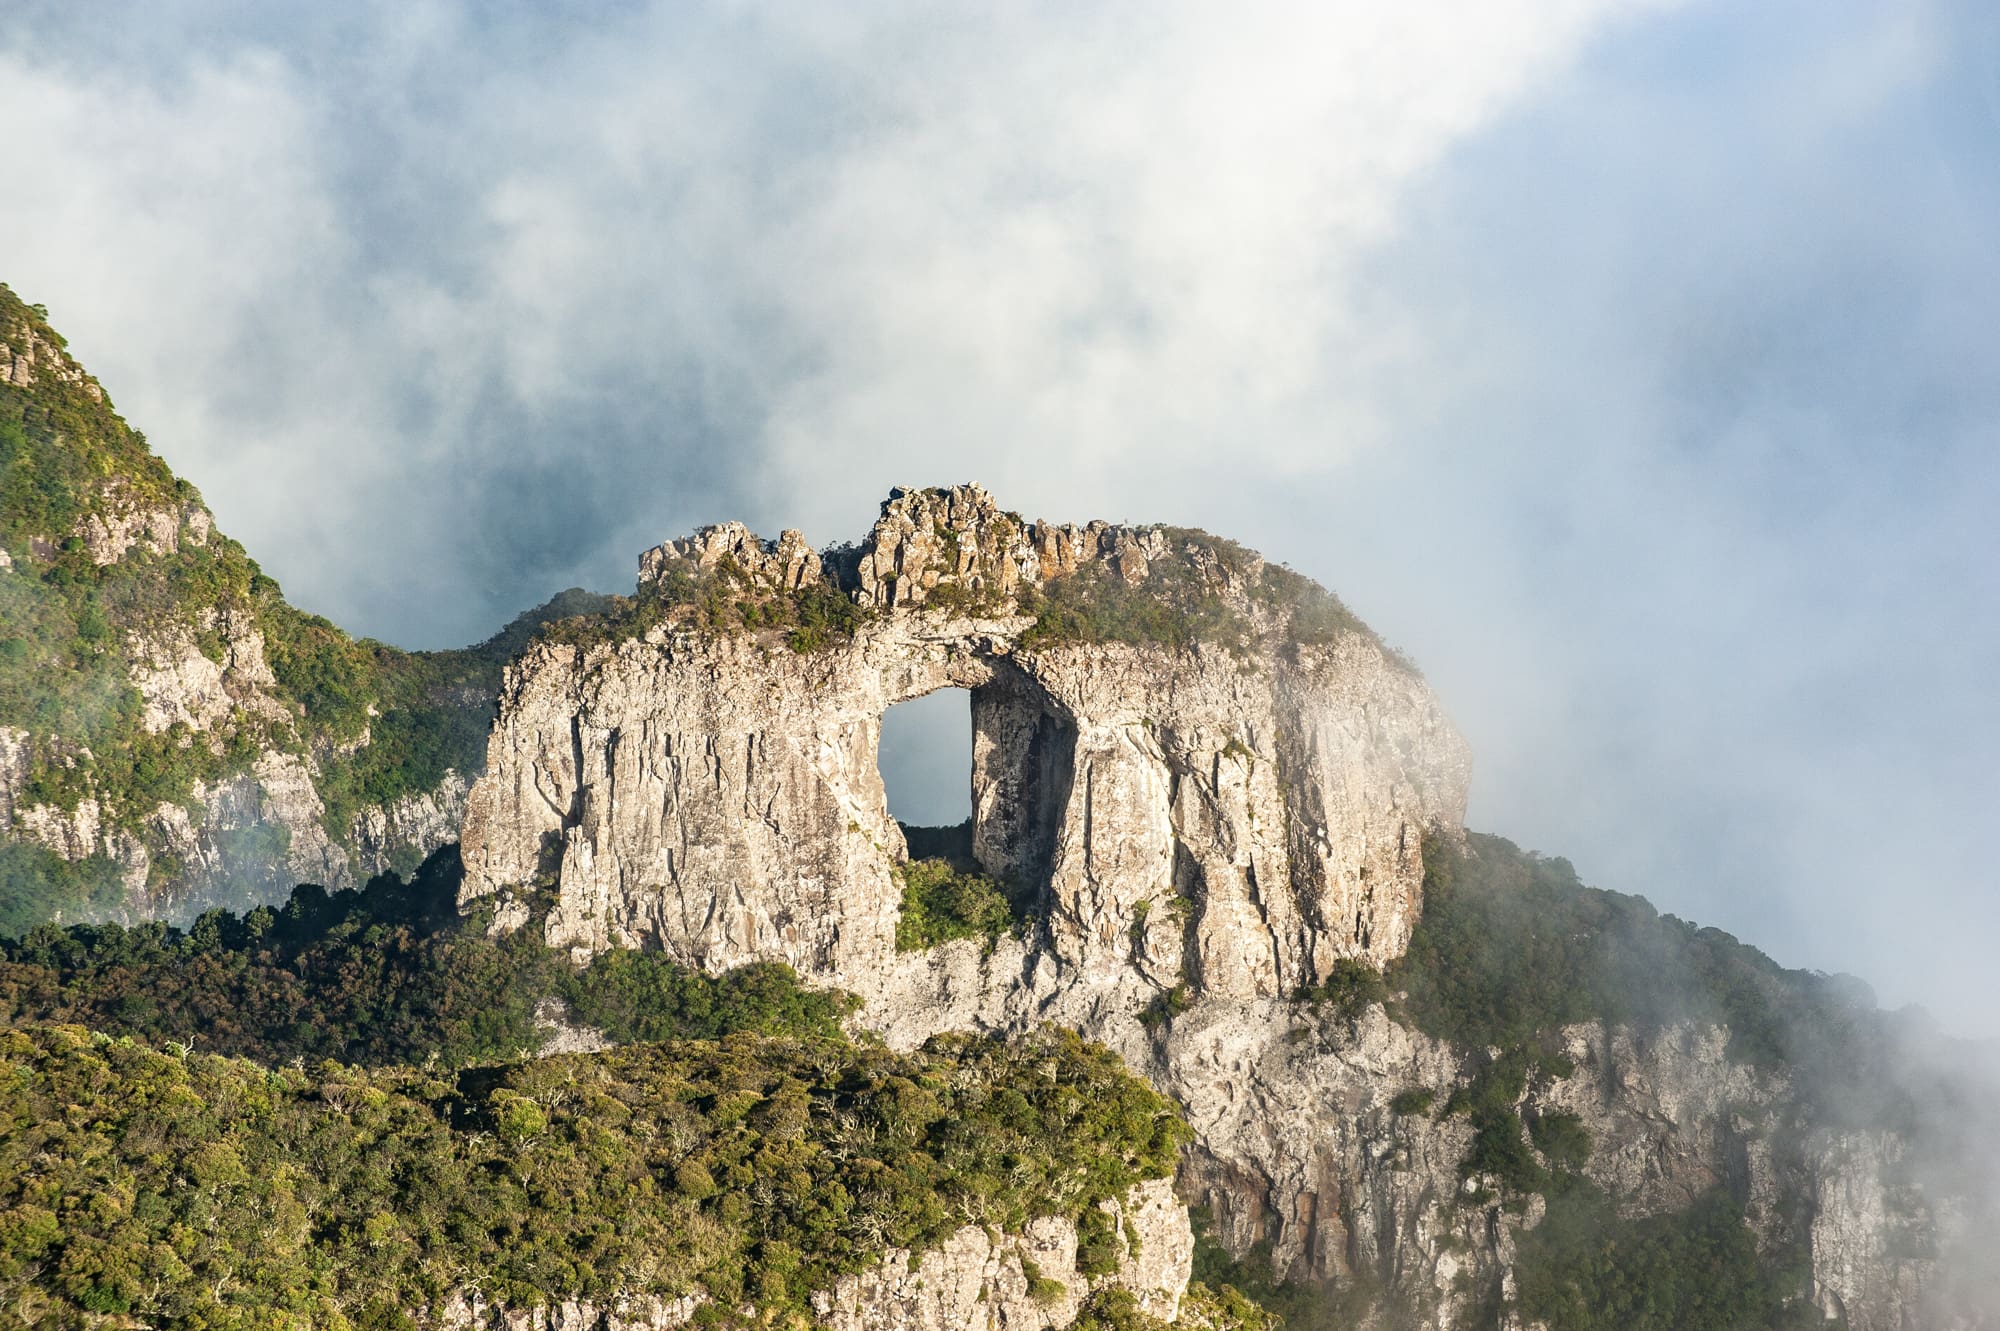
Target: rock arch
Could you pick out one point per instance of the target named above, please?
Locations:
(1236, 815)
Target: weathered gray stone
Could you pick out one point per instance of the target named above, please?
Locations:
(1224, 824)
(717, 795)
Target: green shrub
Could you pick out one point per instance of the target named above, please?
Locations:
(1499, 1149)
(943, 901)
(1561, 1138)
(1225, 1308)
(1040, 1287)
(1098, 1249)
(1415, 1100)
(1165, 1006)
(1116, 1309)
(1349, 989)
(644, 996)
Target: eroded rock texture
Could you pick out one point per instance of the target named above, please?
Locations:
(1238, 817)
(1205, 822)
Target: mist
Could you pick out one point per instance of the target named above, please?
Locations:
(1627, 365)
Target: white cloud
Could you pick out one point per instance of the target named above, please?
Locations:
(1063, 249)
(1628, 369)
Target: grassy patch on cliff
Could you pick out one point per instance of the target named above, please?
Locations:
(1173, 607)
(201, 1190)
(946, 895)
(1202, 589)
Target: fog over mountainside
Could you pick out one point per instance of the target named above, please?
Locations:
(687, 1027)
(1624, 364)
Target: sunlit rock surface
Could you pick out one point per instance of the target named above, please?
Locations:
(1239, 817)
(1214, 821)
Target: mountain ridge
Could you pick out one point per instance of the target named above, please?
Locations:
(1422, 1078)
(170, 726)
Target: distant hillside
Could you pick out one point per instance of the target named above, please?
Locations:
(173, 733)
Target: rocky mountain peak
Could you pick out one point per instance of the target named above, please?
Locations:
(1193, 766)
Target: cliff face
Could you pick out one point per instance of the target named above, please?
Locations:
(1211, 787)
(1235, 817)
(1354, 1193)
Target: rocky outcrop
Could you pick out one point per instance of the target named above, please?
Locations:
(469, 1311)
(201, 673)
(121, 521)
(1019, 1282)
(397, 836)
(26, 355)
(717, 796)
(1202, 826)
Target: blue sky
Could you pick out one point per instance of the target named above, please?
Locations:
(1630, 365)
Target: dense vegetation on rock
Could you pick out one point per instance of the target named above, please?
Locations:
(754, 1169)
(1511, 947)
(385, 975)
(946, 895)
(116, 568)
(208, 1191)
(1586, 1268)
(942, 901)
(36, 883)
(720, 599)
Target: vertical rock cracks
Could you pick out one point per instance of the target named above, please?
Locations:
(1208, 805)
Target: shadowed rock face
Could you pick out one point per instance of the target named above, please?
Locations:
(1238, 816)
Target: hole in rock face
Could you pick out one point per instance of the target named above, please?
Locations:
(979, 783)
(926, 762)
